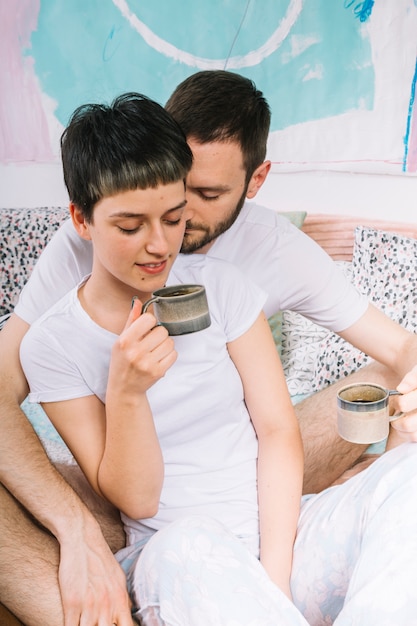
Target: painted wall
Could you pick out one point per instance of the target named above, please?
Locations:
(340, 77)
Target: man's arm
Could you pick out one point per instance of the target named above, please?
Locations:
(91, 582)
(394, 349)
(384, 340)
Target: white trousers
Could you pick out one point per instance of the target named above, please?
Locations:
(355, 561)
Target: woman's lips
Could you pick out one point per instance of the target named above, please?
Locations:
(153, 268)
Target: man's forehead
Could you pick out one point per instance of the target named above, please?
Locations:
(226, 149)
(216, 165)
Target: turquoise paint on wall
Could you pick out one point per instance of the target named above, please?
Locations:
(86, 50)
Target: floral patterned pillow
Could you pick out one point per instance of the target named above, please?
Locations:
(385, 269)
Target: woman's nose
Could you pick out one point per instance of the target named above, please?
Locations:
(157, 242)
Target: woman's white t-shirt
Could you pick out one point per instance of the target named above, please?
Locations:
(208, 442)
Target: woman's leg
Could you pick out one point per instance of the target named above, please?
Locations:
(355, 558)
(196, 573)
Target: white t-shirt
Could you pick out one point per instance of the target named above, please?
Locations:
(294, 271)
(208, 442)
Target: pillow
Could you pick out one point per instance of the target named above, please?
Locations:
(275, 321)
(296, 217)
(385, 269)
(23, 235)
(301, 345)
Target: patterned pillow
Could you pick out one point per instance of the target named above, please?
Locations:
(385, 269)
(300, 345)
(23, 235)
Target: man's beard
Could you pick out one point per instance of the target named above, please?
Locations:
(208, 235)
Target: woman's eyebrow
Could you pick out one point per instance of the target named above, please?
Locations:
(181, 205)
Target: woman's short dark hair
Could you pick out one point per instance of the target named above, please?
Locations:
(132, 143)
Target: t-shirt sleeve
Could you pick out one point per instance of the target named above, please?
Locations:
(313, 284)
(51, 375)
(238, 300)
(291, 267)
(63, 263)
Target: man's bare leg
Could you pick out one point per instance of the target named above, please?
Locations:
(29, 560)
(35, 572)
(29, 555)
(105, 513)
(327, 455)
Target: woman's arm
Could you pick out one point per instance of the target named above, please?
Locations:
(280, 456)
(116, 445)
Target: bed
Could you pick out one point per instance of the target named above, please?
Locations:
(379, 256)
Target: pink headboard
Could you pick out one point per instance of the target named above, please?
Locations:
(335, 233)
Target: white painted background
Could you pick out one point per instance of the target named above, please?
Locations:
(315, 189)
(363, 195)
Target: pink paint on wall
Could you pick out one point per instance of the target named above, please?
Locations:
(24, 132)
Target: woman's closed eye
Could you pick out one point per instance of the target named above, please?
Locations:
(172, 222)
(129, 231)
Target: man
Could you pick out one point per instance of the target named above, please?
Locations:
(226, 121)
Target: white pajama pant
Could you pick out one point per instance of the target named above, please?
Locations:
(355, 561)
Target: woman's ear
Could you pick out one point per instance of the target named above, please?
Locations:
(258, 178)
(79, 221)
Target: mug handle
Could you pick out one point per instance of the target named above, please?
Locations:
(148, 303)
(392, 418)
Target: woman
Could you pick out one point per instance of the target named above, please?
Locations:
(195, 434)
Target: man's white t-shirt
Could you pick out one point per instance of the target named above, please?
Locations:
(293, 270)
(208, 441)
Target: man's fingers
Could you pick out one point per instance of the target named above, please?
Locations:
(409, 382)
(405, 403)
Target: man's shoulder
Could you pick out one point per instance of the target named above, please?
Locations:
(253, 213)
(255, 218)
(68, 235)
(195, 266)
(255, 226)
(60, 312)
(63, 263)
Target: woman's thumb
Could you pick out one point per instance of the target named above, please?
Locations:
(135, 311)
